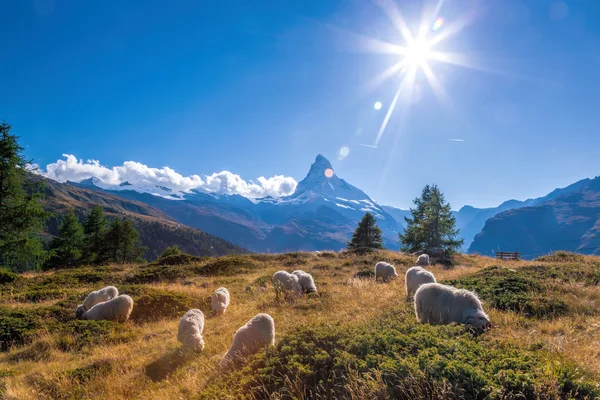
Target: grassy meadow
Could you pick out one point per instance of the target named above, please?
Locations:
(354, 339)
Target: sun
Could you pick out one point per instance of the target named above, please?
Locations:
(417, 53)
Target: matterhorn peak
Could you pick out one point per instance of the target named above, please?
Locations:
(320, 166)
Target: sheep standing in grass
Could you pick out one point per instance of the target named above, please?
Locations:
(415, 277)
(258, 333)
(306, 281)
(283, 281)
(423, 260)
(190, 330)
(117, 309)
(219, 301)
(439, 304)
(95, 297)
(385, 271)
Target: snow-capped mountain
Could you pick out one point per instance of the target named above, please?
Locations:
(320, 214)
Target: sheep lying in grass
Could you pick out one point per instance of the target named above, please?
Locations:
(439, 304)
(95, 297)
(190, 330)
(258, 333)
(423, 260)
(306, 281)
(219, 301)
(117, 309)
(415, 277)
(285, 282)
(385, 271)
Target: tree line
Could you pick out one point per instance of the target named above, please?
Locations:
(96, 241)
(22, 220)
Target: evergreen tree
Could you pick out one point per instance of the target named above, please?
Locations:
(122, 242)
(431, 224)
(21, 214)
(66, 248)
(367, 235)
(94, 229)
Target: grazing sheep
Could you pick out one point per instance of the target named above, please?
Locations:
(439, 304)
(415, 277)
(190, 330)
(258, 333)
(95, 297)
(306, 281)
(283, 281)
(385, 271)
(436, 251)
(117, 309)
(423, 260)
(219, 301)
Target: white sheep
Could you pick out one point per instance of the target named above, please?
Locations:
(415, 277)
(258, 333)
(439, 304)
(95, 297)
(423, 260)
(219, 301)
(283, 281)
(385, 271)
(190, 330)
(306, 281)
(117, 309)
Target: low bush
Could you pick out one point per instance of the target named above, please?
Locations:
(15, 330)
(561, 256)
(7, 276)
(522, 290)
(228, 266)
(160, 304)
(78, 334)
(162, 273)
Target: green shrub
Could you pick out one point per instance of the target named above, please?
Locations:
(157, 305)
(7, 276)
(89, 372)
(365, 274)
(179, 259)
(228, 266)
(410, 359)
(522, 290)
(37, 295)
(15, 330)
(561, 256)
(162, 273)
(78, 334)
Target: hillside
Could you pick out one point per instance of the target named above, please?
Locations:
(157, 230)
(569, 221)
(354, 339)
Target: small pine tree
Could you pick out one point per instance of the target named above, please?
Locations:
(367, 235)
(170, 251)
(431, 224)
(66, 248)
(21, 215)
(94, 229)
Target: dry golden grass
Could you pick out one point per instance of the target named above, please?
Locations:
(41, 369)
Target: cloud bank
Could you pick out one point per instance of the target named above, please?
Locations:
(224, 182)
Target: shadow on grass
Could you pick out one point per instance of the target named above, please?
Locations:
(169, 363)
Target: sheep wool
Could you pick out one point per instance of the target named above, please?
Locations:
(423, 260)
(95, 297)
(283, 281)
(415, 277)
(306, 281)
(117, 309)
(190, 330)
(258, 333)
(219, 301)
(385, 271)
(439, 304)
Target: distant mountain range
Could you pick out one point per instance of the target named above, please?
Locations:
(320, 215)
(325, 209)
(566, 219)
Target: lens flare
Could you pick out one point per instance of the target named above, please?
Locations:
(328, 173)
(344, 151)
(377, 105)
(437, 24)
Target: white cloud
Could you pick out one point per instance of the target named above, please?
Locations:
(224, 182)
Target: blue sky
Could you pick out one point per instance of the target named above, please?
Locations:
(260, 88)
